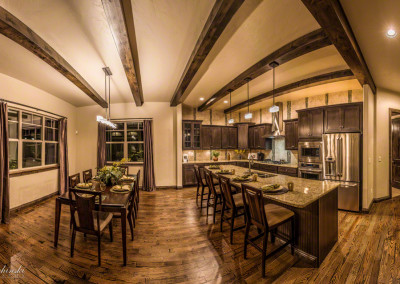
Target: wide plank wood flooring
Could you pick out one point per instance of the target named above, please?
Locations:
(174, 243)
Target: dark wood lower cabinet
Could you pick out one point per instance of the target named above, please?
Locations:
(188, 175)
(287, 171)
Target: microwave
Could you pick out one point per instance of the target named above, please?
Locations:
(310, 152)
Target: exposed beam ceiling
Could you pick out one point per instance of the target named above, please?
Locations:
(120, 18)
(331, 17)
(299, 85)
(14, 29)
(303, 45)
(220, 16)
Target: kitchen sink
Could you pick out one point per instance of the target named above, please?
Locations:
(262, 175)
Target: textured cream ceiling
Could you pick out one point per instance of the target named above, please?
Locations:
(166, 32)
(79, 32)
(370, 19)
(271, 25)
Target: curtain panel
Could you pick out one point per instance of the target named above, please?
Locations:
(149, 183)
(101, 145)
(63, 158)
(4, 166)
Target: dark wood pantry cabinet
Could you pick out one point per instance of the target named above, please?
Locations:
(191, 134)
(291, 134)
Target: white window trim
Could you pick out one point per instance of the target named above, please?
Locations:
(20, 141)
(125, 142)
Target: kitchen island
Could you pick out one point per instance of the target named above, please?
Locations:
(315, 204)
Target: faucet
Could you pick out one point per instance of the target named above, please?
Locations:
(251, 162)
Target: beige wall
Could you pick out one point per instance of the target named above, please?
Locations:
(385, 100)
(164, 143)
(28, 188)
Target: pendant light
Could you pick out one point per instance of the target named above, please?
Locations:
(273, 108)
(99, 118)
(231, 120)
(248, 115)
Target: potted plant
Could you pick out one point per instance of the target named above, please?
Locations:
(240, 152)
(110, 175)
(215, 155)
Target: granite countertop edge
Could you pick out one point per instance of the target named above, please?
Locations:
(295, 166)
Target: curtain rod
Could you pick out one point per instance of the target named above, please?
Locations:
(37, 109)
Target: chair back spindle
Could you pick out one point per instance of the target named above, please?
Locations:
(87, 175)
(254, 206)
(227, 192)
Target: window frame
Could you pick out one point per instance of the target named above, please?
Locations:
(125, 141)
(43, 141)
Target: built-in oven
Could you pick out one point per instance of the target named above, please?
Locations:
(310, 152)
(310, 170)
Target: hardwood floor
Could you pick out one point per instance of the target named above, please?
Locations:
(174, 243)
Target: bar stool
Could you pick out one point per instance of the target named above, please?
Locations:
(266, 218)
(214, 196)
(231, 204)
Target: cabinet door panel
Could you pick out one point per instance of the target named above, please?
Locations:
(188, 175)
(196, 134)
(187, 135)
(295, 137)
(317, 123)
(288, 135)
(261, 140)
(225, 137)
(243, 136)
(304, 125)
(333, 120)
(206, 137)
(351, 119)
(256, 143)
(251, 137)
(233, 138)
(215, 137)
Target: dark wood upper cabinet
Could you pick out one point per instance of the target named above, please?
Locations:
(311, 123)
(291, 134)
(243, 135)
(317, 123)
(251, 138)
(225, 138)
(206, 137)
(256, 136)
(343, 118)
(216, 142)
(191, 134)
(233, 137)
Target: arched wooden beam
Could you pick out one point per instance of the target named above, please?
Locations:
(296, 86)
(120, 19)
(14, 29)
(331, 17)
(301, 46)
(220, 16)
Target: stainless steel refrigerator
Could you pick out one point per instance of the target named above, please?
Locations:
(342, 163)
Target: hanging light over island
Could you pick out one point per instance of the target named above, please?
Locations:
(248, 115)
(274, 107)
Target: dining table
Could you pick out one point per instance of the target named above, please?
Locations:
(114, 202)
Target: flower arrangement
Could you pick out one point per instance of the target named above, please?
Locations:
(110, 175)
(215, 155)
(240, 152)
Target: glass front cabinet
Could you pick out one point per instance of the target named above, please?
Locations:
(191, 134)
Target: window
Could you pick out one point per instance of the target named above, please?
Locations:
(33, 140)
(126, 141)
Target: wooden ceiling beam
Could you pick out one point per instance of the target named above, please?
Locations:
(301, 46)
(331, 17)
(296, 86)
(17, 31)
(120, 19)
(220, 16)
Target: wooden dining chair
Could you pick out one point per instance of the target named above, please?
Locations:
(201, 186)
(74, 180)
(132, 206)
(214, 197)
(232, 206)
(87, 175)
(86, 219)
(266, 218)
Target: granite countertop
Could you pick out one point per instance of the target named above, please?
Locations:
(244, 160)
(305, 191)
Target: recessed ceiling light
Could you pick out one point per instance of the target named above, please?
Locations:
(201, 99)
(391, 33)
(225, 102)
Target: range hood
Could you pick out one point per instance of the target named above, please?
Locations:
(277, 124)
